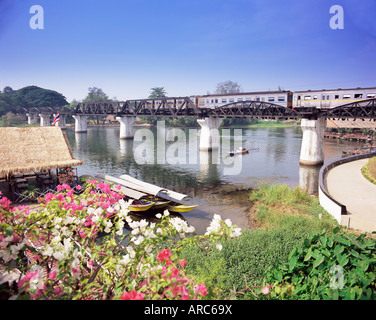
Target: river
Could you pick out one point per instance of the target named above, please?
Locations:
(170, 158)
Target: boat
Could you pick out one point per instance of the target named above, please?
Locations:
(238, 151)
(138, 206)
(158, 203)
(180, 207)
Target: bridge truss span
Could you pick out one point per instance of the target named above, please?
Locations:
(365, 109)
(256, 109)
(159, 107)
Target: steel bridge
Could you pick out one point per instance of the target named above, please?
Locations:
(184, 107)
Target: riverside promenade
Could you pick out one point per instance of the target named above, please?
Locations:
(347, 185)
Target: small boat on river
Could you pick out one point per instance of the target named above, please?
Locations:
(238, 151)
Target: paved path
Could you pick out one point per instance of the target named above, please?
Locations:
(347, 185)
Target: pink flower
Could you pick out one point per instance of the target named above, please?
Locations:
(183, 263)
(52, 275)
(265, 290)
(78, 187)
(133, 295)
(164, 255)
(201, 288)
(118, 187)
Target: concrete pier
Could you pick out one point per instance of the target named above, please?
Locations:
(80, 123)
(209, 139)
(312, 151)
(126, 127)
(44, 119)
(32, 118)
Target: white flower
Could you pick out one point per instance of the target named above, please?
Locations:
(158, 215)
(108, 227)
(218, 246)
(125, 260)
(228, 222)
(166, 213)
(131, 252)
(236, 232)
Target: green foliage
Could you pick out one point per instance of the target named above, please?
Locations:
(157, 92)
(29, 97)
(340, 266)
(292, 216)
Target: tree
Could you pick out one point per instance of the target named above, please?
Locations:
(157, 92)
(29, 97)
(7, 89)
(96, 95)
(228, 87)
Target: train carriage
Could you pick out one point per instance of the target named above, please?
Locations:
(326, 99)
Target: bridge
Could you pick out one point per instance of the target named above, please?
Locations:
(313, 119)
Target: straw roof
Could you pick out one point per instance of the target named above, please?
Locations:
(34, 149)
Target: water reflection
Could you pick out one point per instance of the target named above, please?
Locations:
(309, 178)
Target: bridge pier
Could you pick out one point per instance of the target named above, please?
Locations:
(80, 123)
(32, 118)
(312, 150)
(126, 126)
(209, 139)
(44, 119)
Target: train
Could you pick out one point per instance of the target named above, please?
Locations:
(322, 99)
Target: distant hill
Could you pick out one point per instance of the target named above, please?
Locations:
(29, 97)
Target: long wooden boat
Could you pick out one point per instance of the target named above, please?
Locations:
(159, 205)
(180, 207)
(140, 207)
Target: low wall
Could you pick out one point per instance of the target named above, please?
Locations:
(336, 209)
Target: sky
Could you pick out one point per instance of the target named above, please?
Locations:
(188, 47)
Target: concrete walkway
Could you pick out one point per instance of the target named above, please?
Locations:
(347, 185)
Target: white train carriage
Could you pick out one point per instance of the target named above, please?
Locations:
(281, 97)
(326, 99)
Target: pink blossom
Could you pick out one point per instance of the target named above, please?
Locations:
(52, 275)
(78, 187)
(118, 187)
(201, 288)
(164, 255)
(265, 290)
(183, 263)
(133, 295)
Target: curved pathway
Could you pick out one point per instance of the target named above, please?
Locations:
(347, 185)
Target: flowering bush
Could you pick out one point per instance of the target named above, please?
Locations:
(90, 247)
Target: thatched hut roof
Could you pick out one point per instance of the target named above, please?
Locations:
(34, 149)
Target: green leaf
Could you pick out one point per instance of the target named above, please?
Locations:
(342, 259)
(318, 261)
(292, 263)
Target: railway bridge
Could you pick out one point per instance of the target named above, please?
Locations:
(313, 119)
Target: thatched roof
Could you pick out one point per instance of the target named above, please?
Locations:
(34, 149)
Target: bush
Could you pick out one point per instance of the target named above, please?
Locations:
(340, 266)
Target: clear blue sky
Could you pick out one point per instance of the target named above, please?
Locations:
(127, 47)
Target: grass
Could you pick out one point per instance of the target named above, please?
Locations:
(284, 217)
(369, 170)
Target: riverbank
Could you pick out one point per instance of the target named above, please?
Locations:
(284, 221)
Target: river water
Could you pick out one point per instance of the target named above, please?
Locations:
(170, 158)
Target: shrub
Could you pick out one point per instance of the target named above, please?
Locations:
(340, 266)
